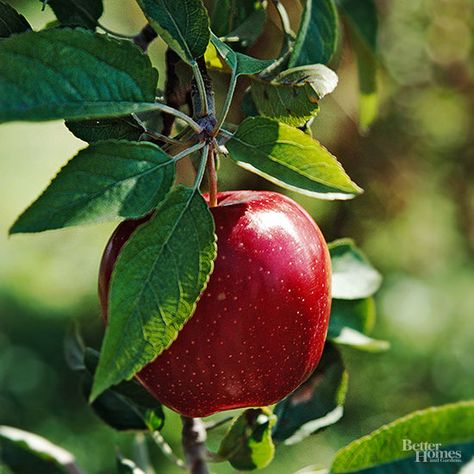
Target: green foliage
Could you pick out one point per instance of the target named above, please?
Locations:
(248, 444)
(240, 21)
(353, 277)
(184, 25)
(84, 13)
(126, 466)
(316, 404)
(11, 21)
(290, 158)
(107, 180)
(78, 75)
(446, 425)
(354, 281)
(148, 304)
(24, 452)
(318, 35)
(239, 63)
(350, 323)
(362, 22)
(292, 97)
(126, 406)
(120, 128)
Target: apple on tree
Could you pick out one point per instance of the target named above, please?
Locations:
(260, 326)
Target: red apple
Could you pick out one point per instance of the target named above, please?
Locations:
(260, 326)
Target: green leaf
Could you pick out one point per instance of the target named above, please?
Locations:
(362, 21)
(318, 35)
(238, 62)
(290, 158)
(292, 97)
(316, 404)
(126, 406)
(11, 21)
(78, 75)
(83, 13)
(447, 424)
(353, 277)
(25, 452)
(126, 466)
(105, 129)
(248, 444)
(184, 25)
(451, 460)
(157, 279)
(105, 181)
(351, 321)
(241, 22)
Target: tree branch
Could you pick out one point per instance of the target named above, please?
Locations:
(194, 439)
(145, 37)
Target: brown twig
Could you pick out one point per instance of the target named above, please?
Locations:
(194, 439)
(212, 177)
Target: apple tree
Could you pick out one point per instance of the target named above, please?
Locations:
(213, 300)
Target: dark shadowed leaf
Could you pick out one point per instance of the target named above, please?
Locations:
(350, 323)
(290, 158)
(149, 303)
(316, 404)
(318, 35)
(120, 128)
(184, 25)
(126, 406)
(292, 97)
(240, 22)
(353, 277)
(446, 425)
(25, 452)
(11, 21)
(248, 444)
(105, 181)
(83, 13)
(78, 75)
(362, 22)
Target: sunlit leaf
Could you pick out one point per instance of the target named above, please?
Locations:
(149, 303)
(105, 181)
(353, 277)
(446, 425)
(248, 444)
(292, 97)
(219, 56)
(25, 452)
(77, 75)
(290, 158)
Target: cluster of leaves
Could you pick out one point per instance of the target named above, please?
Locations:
(248, 445)
(104, 87)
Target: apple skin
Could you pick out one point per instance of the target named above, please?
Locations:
(260, 325)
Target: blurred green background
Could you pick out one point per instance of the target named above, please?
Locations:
(415, 221)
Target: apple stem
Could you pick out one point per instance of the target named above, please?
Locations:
(212, 177)
(194, 445)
